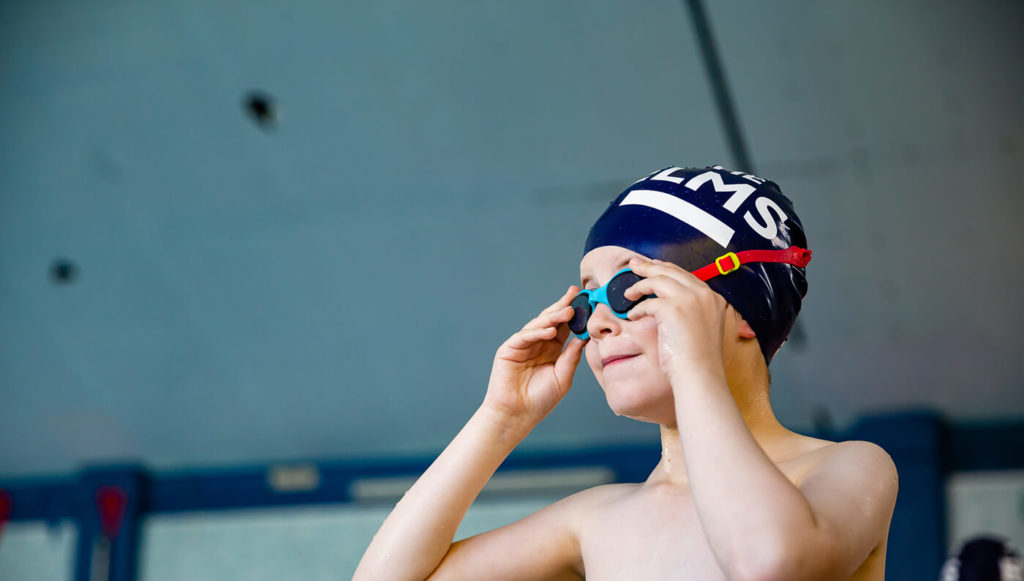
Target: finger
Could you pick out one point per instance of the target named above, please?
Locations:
(568, 361)
(642, 309)
(661, 286)
(551, 319)
(527, 337)
(564, 300)
(646, 308)
(660, 276)
(563, 328)
(669, 292)
(652, 267)
(648, 267)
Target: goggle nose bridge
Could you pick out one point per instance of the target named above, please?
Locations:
(600, 296)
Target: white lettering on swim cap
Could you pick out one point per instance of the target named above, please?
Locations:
(770, 228)
(666, 175)
(684, 211)
(750, 177)
(740, 191)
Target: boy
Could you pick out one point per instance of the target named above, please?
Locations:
(692, 280)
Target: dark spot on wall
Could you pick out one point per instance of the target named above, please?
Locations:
(261, 108)
(63, 271)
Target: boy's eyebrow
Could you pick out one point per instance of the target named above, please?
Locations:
(589, 278)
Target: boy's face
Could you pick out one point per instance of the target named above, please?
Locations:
(623, 354)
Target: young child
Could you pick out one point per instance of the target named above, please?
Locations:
(692, 280)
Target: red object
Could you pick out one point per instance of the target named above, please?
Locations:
(6, 504)
(111, 502)
(726, 263)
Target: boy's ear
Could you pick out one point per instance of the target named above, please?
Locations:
(743, 328)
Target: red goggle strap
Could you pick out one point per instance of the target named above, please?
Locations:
(731, 261)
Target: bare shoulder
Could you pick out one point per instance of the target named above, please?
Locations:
(583, 504)
(851, 487)
(603, 493)
(853, 458)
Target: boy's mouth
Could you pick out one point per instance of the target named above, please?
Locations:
(616, 358)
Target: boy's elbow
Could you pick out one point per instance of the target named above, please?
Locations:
(784, 563)
(757, 568)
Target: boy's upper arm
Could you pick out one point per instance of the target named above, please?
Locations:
(541, 546)
(852, 494)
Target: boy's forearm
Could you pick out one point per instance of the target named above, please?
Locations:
(418, 533)
(751, 513)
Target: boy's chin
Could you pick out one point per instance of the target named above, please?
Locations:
(661, 421)
(655, 411)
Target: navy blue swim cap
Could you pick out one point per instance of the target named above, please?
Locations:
(692, 217)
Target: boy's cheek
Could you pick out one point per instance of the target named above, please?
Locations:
(644, 331)
(593, 358)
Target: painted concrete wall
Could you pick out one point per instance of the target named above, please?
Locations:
(335, 286)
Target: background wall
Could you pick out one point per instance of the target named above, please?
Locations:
(184, 287)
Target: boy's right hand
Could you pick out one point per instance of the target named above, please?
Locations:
(532, 372)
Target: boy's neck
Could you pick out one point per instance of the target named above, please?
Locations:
(755, 408)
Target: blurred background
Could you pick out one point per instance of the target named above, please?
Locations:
(256, 257)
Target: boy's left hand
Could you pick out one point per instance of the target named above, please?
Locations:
(690, 316)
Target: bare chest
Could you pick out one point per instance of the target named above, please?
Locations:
(647, 536)
(658, 536)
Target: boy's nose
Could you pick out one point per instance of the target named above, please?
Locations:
(603, 321)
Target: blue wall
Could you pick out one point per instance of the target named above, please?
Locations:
(925, 447)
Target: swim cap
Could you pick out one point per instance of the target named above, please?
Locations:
(692, 217)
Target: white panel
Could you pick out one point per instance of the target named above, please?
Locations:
(34, 551)
(986, 502)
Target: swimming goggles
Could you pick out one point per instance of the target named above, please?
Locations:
(613, 294)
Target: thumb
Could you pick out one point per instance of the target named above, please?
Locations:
(569, 359)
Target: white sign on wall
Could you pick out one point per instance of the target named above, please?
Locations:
(989, 503)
